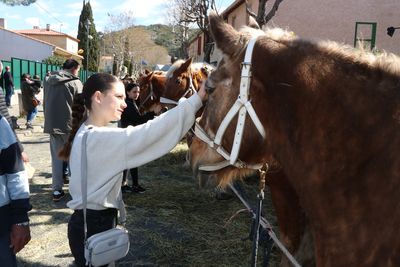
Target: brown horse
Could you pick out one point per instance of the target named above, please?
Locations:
(331, 118)
(183, 78)
(152, 86)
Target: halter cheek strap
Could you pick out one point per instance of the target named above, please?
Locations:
(151, 95)
(242, 106)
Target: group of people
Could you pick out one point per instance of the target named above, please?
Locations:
(29, 89)
(72, 110)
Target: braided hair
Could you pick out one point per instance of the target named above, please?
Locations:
(82, 102)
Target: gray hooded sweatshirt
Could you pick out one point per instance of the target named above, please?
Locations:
(59, 91)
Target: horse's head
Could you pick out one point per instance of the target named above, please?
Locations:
(152, 85)
(223, 86)
(183, 78)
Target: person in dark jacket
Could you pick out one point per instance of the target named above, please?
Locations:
(14, 197)
(132, 116)
(29, 89)
(59, 91)
(8, 85)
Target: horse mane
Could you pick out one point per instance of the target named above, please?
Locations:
(195, 67)
(384, 61)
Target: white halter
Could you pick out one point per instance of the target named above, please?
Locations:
(191, 90)
(151, 95)
(241, 106)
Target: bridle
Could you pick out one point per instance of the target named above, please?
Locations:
(189, 91)
(151, 95)
(242, 106)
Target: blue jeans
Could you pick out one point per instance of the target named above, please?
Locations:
(9, 93)
(31, 114)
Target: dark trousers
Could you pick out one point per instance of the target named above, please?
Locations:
(135, 176)
(97, 221)
(7, 256)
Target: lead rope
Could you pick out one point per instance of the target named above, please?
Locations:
(257, 222)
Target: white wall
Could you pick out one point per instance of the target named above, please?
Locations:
(72, 46)
(15, 45)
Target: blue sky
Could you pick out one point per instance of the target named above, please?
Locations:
(63, 15)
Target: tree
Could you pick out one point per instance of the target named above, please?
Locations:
(262, 16)
(116, 40)
(89, 38)
(130, 44)
(18, 2)
(54, 60)
(187, 12)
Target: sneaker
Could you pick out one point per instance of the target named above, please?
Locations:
(29, 126)
(58, 195)
(138, 189)
(126, 189)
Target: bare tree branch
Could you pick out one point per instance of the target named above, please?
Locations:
(271, 13)
(249, 11)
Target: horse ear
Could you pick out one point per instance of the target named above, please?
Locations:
(227, 38)
(146, 71)
(185, 66)
(150, 75)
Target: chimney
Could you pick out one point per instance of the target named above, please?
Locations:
(3, 23)
(47, 27)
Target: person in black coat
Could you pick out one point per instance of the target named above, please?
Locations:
(9, 85)
(132, 116)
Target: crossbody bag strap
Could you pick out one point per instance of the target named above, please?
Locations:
(121, 205)
(122, 210)
(84, 179)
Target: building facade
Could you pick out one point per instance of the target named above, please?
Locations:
(342, 21)
(36, 44)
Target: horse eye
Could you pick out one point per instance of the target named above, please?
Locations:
(209, 86)
(178, 81)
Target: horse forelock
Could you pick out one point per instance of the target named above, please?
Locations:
(174, 67)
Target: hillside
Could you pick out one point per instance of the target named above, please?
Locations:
(165, 36)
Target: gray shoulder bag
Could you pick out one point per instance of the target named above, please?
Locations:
(108, 246)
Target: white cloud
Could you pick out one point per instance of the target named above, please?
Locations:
(15, 16)
(33, 21)
(144, 11)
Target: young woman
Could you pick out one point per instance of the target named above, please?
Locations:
(132, 116)
(112, 150)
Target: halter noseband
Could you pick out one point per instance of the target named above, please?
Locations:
(242, 106)
(189, 91)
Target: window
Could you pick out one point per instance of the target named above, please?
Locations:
(365, 35)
